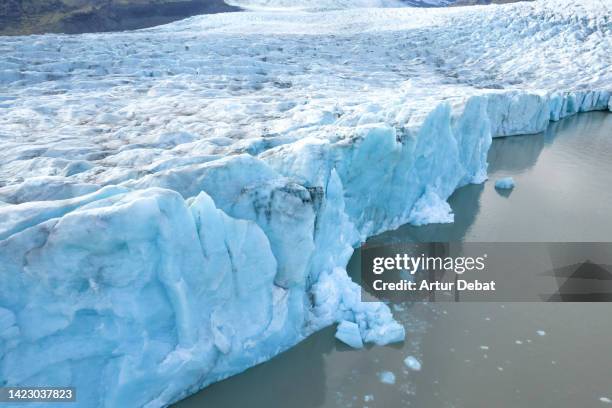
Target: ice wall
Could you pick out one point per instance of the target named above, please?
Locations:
(141, 296)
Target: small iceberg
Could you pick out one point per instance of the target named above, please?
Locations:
(386, 377)
(505, 183)
(412, 363)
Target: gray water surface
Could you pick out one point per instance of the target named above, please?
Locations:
(475, 355)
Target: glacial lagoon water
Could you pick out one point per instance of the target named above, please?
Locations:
(475, 355)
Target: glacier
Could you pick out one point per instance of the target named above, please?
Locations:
(179, 203)
(344, 4)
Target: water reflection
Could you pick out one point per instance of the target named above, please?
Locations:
(518, 154)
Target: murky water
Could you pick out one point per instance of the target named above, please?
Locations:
(475, 354)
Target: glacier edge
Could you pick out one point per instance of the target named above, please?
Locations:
(189, 282)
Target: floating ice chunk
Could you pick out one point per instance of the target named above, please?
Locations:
(505, 183)
(326, 4)
(398, 307)
(484, 347)
(541, 333)
(368, 398)
(431, 209)
(518, 342)
(606, 400)
(386, 377)
(412, 363)
(348, 333)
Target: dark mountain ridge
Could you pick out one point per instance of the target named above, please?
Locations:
(22, 17)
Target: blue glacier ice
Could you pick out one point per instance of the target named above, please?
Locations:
(178, 204)
(348, 332)
(386, 377)
(505, 183)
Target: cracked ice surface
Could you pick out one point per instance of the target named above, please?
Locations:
(178, 204)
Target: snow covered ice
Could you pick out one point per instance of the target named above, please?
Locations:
(178, 204)
(332, 4)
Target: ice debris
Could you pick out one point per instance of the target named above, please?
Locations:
(386, 377)
(412, 363)
(348, 332)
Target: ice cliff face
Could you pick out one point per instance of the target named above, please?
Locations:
(178, 204)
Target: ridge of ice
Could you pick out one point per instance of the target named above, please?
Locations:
(209, 179)
(312, 4)
(412, 363)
